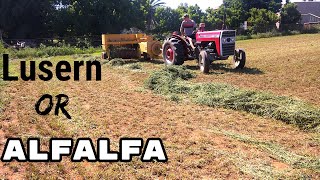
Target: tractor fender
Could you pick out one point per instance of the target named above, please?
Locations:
(184, 42)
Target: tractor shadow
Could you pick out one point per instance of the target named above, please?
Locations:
(153, 61)
(228, 68)
(133, 61)
(224, 68)
(142, 60)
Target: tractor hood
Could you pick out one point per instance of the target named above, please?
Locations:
(224, 40)
(209, 34)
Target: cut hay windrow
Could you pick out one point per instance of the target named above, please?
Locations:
(117, 62)
(295, 160)
(173, 80)
(135, 66)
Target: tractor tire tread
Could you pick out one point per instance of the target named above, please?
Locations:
(179, 52)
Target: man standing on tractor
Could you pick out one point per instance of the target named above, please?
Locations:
(187, 29)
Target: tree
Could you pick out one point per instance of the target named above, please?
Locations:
(214, 18)
(271, 5)
(235, 15)
(290, 16)
(25, 19)
(182, 9)
(196, 13)
(168, 20)
(151, 6)
(262, 20)
(94, 17)
(238, 10)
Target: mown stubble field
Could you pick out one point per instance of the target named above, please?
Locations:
(201, 142)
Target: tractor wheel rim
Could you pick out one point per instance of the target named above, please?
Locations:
(237, 63)
(237, 60)
(201, 61)
(169, 54)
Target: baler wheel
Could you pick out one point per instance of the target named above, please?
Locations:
(239, 59)
(173, 52)
(204, 62)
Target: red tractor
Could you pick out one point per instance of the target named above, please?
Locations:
(206, 48)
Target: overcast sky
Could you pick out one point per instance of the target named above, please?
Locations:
(204, 4)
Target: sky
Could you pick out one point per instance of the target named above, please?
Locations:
(204, 4)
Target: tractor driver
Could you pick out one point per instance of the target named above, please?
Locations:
(187, 29)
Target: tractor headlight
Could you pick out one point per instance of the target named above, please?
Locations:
(227, 40)
(211, 45)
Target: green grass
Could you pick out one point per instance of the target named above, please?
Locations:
(52, 51)
(173, 81)
(44, 51)
(2, 83)
(267, 35)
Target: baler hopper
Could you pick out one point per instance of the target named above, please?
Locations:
(130, 46)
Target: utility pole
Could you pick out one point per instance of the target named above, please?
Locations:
(224, 16)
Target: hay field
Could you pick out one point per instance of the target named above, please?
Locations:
(202, 142)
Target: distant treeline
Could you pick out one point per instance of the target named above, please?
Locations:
(28, 19)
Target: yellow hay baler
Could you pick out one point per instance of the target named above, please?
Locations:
(130, 46)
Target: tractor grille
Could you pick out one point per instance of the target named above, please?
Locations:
(228, 33)
(228, 49)
(228, 39)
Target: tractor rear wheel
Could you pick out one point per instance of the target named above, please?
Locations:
(204, 62)
(239, 59)
(173, 52)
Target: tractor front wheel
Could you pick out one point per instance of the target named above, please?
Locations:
(173, 52)
(239, 59)
(204, 62)
(104, 55)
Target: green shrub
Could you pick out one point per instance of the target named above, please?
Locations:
(314, 28)
(270, 34)
(261, 20)
(243, 37)
(286, 33)
(273, 33)
(44, 51)
(3, 50)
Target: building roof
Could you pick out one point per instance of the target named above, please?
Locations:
(307, 7)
